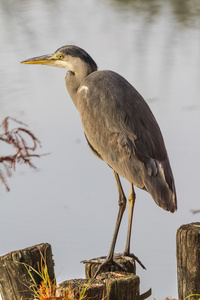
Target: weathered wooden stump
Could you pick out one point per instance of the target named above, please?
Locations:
(107, 286)
(188, 260)
(15, 281)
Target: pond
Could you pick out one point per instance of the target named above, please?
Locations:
(70, 200)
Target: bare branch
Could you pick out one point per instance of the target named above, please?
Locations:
(17, 138)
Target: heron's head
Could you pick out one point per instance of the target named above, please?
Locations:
(69, 57)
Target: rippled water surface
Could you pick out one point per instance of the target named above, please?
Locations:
(70, 200)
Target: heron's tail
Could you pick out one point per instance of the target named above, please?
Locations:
(161, 186)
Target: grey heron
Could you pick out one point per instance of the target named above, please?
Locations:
(120, 129)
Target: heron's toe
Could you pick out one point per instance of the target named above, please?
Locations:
(107, 265)
(132, 257)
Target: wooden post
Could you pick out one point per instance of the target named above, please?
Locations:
(110, 284)
(188, 261)
(15, 281)
(107, 286)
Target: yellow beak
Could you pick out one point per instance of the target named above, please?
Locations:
(42, 60)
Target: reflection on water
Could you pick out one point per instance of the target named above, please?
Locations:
(155, 45)
(185, 12)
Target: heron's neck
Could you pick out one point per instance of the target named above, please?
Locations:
(73, 81)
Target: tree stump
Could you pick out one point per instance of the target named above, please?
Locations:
(15, 281)
(110, 284)
(107, 286)
(188, 261)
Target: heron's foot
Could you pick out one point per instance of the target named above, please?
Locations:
(102, 264)
(130, 257)
(107, 263)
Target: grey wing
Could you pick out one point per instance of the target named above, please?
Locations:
(122, 130)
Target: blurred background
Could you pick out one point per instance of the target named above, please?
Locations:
(71, 200)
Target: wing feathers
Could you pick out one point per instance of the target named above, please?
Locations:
(161, 187)
(121, 128)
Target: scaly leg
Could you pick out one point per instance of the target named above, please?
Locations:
(131, 199)
(122, 206)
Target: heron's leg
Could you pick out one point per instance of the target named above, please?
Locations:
(122, 206)
(131, 200)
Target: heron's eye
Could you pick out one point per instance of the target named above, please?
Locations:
(58, 56)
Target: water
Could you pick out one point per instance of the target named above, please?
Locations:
(70, 201)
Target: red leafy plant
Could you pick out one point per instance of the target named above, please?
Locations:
(22, 141)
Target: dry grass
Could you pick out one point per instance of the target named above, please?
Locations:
(47, 289)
